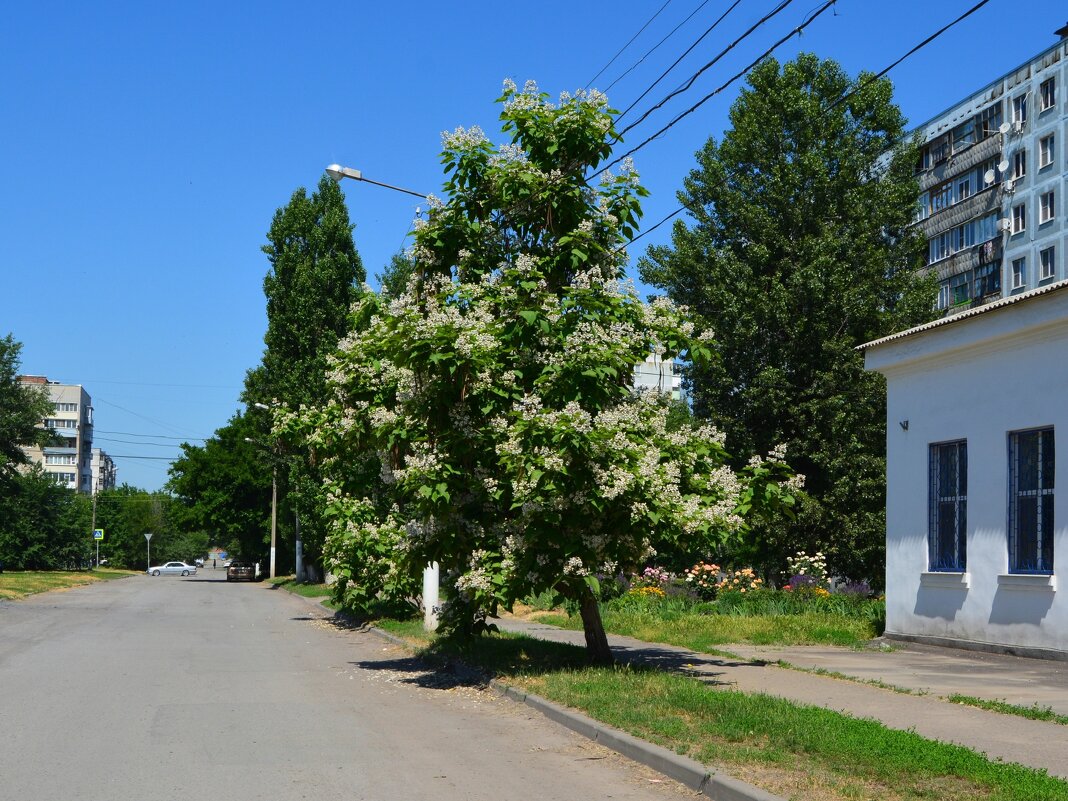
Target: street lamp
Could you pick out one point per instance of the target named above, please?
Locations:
(274, 496)
(337, 172)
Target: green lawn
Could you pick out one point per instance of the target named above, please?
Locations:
(703, 631)
(15, 585)
(793, 750)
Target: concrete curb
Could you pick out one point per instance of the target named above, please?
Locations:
(686, 771)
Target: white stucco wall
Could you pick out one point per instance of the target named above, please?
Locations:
(979, 378)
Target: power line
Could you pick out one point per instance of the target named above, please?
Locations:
(745, 71)
(136, 442)
(920, 46)
(840, 100)
(628, 44)
(131, 456)
(152, 436)
(690, 81)
(653, 49)
(687, 52)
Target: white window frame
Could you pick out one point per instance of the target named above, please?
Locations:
(1019, 218)
(1045, 151)
(1019, 164)
(1019, 272)
(1047, 207)
(1047, 260)
(1047, 93)
(1019, 108)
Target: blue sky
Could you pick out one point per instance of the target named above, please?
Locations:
(145, 147)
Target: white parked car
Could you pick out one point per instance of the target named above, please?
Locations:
(173, 569)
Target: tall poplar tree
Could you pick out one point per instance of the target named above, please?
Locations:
(315, 277)
(801, 250)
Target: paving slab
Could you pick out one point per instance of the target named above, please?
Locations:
(1009, 738)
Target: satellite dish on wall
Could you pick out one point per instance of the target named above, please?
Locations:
(988, 176)
(1003, 165)
(1004, 127)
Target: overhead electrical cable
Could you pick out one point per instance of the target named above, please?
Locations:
(840, 100)
(674, 64)
(690, 81)
(648, 22)
(151, 436)
(653, 49)
(741, 74)
(872, 78)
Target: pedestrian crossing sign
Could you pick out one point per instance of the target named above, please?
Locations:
(98, 533)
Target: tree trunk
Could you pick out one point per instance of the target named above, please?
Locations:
(596, 640)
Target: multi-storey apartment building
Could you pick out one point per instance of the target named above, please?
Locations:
(992, 176)
(659, 375)
(69, 458)
(104, 471)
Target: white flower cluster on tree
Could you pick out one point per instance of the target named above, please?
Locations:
(495, 394)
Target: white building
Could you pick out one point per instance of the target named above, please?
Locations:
(659, 375)
(103, 470)
(976, 526)
(69, 461)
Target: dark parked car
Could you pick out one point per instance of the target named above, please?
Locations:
(241, 569)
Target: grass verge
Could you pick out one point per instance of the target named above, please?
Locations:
(793, 750)
(702, 631)
(289, 583)
(20, 584)
(1034, 712)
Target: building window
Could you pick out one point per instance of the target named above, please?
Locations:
(1045, 151)
(65, 478)
(1019, 109)
(942, 197)
(1032, 468)
(943, 296)
(960, 289)
(1019, 218)
(964, 135)
(61, 458)
(1047, 208)
(1019, 164)
(948, 499)
(60, 423)
(1047, 92)
(987, 280)
(1019, 269)
(990, 121)
(66, 407)
(964, 188)
(1047, 260)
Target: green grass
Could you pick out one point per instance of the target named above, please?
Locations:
(1034, 712)
(290, 584)
(15, 585)
(702, 632)
(790, 749)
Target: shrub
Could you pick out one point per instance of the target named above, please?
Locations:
(740, 581)
(702, 579)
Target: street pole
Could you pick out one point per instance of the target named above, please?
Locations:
(148, 545)
(300, 551)
(274, 515)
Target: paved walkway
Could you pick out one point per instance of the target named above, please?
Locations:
(935, 671)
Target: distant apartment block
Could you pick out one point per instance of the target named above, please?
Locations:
(71, 459)
(103, 471)
(992, 176)
(659, 375)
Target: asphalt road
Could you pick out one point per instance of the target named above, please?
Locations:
(166, 688)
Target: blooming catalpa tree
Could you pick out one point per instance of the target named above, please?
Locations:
(485, 418)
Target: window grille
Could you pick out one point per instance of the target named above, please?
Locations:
(947, 541)
(1032, 469)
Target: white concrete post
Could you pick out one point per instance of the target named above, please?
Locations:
(431, 574)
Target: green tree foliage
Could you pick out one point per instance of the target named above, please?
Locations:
(493, 396)
(127, 513)
(315, 277)
(801, 251)
(43, 526)
(22, 409)
(394, 279)
(223, 488)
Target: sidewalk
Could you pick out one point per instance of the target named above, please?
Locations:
(936, 671)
